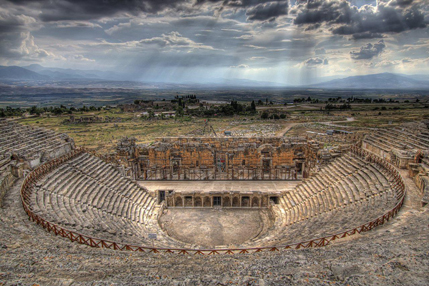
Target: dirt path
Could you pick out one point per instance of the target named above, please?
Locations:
(288, 126)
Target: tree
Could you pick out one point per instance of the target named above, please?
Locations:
(57, 111)
(253, 106)
(179, 111)
(33, 110)
(264, 115)
(228, 110)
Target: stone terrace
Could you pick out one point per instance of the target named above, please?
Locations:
(394, 254)
(33, 143)
(89, 196)
(399, 145)
(24, 147)
(346, 193)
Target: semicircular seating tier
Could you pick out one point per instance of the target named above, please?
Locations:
(345, 194)
(398, 145)
(24, 147)
(91, 197)
(34, 144)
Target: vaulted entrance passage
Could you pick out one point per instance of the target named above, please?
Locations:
(209, 228)
(217, 201)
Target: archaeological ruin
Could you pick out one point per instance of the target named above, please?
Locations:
(219, 159)
(297, 198)
(214, 195)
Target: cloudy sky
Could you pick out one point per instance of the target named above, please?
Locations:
(289, 42)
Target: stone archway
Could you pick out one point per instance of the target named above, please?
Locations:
(198, 202)
(236, 202)
(226, 202)
(245, 201)
(207, 202)
(188, 201)
(255, 202)
(178, 202)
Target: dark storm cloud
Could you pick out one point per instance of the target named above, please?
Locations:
(367, 35)
(55, 10)
(267, 11)
(368, 51)
(236, 3)
(257, 10)
(11, 22)
(312, 27)
(401, 3)
(321, 11)
(391, 17)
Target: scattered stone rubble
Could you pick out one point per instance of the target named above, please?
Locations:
(92, 119)
(256, 130)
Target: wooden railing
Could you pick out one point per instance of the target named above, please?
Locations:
(31, 179)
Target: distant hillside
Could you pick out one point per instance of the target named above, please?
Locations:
(61, 74)
(377, 81)
(67, 74)
(18, 73)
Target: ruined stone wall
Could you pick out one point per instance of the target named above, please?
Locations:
(210, 158)
(376, 150)
(227, 142)
(193, 158)
(250, 157)
(234, 151)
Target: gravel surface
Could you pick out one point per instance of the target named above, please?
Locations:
(394, 254)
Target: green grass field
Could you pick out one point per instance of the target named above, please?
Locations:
(104, 136)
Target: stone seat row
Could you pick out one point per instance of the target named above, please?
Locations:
(19, 144)
(389, 139)
(24, 144)
(90, 196)
(419, 140)
(330, 190)
(330, 175)
(83, 217)
(378, 144)
(91, 188)
(18, 131)
(336, 221)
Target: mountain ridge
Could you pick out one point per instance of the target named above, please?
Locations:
(19, 73)
(376, 81)
(370, 81)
